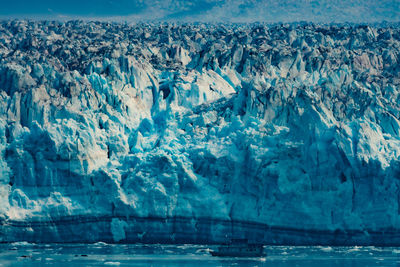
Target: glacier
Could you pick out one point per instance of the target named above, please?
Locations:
(192, 133)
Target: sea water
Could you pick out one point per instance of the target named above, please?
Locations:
(101, 254)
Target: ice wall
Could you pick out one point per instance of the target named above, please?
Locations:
(195, 133)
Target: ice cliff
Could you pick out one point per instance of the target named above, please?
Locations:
(285, 134)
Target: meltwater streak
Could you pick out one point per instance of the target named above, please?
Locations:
(98, 254)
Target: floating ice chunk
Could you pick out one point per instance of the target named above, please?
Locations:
(116, 263)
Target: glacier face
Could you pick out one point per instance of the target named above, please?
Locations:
(285, 134)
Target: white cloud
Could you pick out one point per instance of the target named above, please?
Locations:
(261, 10)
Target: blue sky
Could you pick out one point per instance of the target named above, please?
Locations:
(70, 7)
(206, 10)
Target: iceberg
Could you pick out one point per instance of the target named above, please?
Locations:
(189, 133)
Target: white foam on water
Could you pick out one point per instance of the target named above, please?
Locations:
(327, 249)
(22, 243)
(353, 249)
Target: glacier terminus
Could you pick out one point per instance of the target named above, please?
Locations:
(188, 132)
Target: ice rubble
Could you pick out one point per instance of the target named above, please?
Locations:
(194, 132)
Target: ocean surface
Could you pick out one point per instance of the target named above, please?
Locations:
(101, 254)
